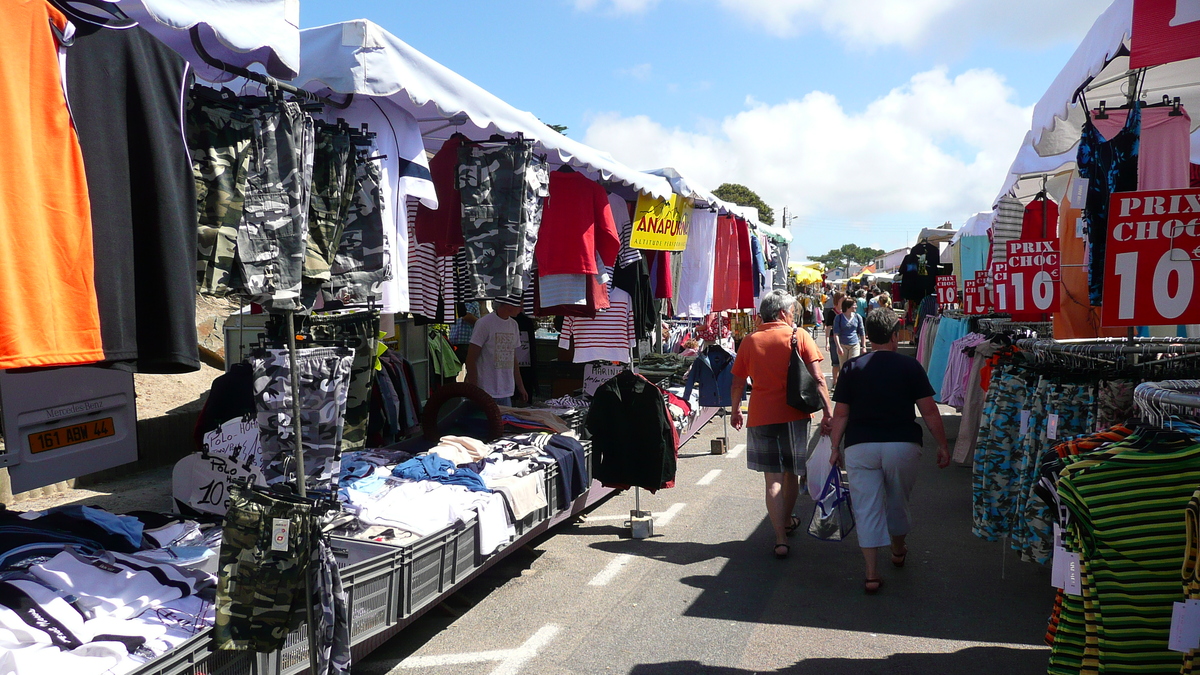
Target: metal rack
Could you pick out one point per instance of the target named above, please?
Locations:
(1160, 401)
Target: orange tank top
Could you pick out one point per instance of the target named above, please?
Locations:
(48, 311)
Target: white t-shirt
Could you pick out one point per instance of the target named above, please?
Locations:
(498, 340)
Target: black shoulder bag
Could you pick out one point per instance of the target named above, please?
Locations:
(803, 393)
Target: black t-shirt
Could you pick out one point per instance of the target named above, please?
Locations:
(882, 389)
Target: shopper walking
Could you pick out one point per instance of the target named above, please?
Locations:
(848, 335)
(874, 416)
(777, 435)
(492, 357)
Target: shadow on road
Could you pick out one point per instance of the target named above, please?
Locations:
(968, 661)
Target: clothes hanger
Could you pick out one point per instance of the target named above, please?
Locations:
(107, 14)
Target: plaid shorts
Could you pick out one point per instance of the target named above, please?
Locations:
(778, 448)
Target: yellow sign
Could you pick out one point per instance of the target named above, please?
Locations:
(661, 225)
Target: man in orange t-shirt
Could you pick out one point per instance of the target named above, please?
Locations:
(777, 435)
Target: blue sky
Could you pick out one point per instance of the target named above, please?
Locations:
(869, 118)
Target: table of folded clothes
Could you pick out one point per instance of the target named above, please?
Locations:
(398, 496)
(84, 591)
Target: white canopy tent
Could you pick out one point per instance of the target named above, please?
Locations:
(684, 187)
(237, 32)
(1097, 71)
(361, 58)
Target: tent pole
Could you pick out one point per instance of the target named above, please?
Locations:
(301, 489)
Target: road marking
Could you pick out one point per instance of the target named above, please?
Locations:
(709, 477)
(659, 518)
(663, 519)
(737, 450)
(510, 660)
(611, 570)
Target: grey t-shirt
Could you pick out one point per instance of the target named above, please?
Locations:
(498, 340)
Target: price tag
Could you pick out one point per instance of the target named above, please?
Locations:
(1024, 422)
(975, 296)
(1072, 584)
(237, 439)
(1033, 275)
(1077, 193)
(1080, 229)
(947, 289)
(1052, 427)
(596, 374)
(1153, 247)
(203, 482)
(1185, 626)
(280, 527)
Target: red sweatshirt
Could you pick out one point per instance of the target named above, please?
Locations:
(577, 223)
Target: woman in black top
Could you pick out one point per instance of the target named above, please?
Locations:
(874, 415)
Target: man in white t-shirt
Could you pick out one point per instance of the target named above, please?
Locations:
(491, 359)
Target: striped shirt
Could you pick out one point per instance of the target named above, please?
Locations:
(1006, 226)
(1126, 522)
(607, 337)
(423, 278)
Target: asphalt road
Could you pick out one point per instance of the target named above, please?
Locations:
(706, 595)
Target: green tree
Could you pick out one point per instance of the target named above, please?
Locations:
(744, 196)
(850, 253)
(560, 128)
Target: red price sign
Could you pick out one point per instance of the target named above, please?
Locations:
(1150, 262)
(947, 289)
(1033, 274)
(1003, 294)
(975, 296)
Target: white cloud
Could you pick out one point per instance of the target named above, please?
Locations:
(937, 146)
(641, 71)
(903, 23)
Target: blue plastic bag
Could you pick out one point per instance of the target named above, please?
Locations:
(832, 518)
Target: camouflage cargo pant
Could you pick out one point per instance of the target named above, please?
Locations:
(271, 240)
(253, 172)
(362, 262)
(324, 380)
(266, 549)
(331, 612)
(501, 190)
(219, 140)
(332, 194)
(360, 329)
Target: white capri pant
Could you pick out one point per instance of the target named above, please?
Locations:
(881, 479)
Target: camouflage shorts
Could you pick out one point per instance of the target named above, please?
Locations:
(266, 550)
(360, 329)
(362, 262)
(324, 380)
(331, 611)
(501, 190)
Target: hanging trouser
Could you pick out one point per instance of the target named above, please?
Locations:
(324, 381)
(332, 194)
(360, 330)
(331, 612)
(362, 262)
(266, 549)
(219, 141)
(501, 190)
(274, 228)
(999, 433)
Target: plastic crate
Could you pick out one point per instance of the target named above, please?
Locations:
(425, 568)
(372, 575)
(465, 555)
(199, 656)
(552, 488)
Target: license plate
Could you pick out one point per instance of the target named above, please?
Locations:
(53, 439)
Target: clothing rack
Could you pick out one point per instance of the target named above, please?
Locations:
(1153, 398)
(289, 322)
(211, 60)
(1126, 346)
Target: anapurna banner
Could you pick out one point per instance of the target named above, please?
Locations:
(660, 225)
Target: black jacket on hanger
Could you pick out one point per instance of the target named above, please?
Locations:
(632, 436)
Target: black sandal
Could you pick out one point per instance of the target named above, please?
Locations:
(867, 586)
(786, 550)
(795, 525)
(898, 560)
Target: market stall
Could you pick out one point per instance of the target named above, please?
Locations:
(335, 493)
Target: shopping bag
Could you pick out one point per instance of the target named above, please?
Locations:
(817, 467)
(832, 518)
(803, 392)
